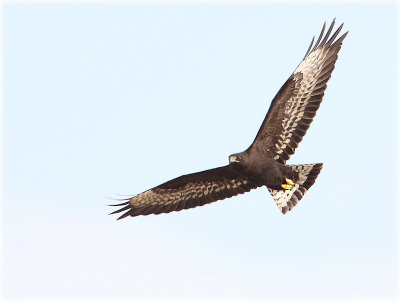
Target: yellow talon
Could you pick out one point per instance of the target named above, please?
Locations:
(287, 186)
(289, 181)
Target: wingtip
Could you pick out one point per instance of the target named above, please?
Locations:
(309, 47)
(128, 207)
(119, 204)
(124, 215)
(341, 38)
(319, 38)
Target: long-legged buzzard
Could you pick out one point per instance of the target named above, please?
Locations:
(263, 163)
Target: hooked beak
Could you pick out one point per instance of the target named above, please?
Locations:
(233, 159)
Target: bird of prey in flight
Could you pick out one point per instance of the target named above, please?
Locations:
(264, 162)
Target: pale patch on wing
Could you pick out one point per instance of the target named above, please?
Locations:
(296, 113)
(164, 200)
(310, 79)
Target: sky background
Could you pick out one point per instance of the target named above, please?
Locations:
(107, 99)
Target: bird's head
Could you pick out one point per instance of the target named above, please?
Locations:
(236, 158)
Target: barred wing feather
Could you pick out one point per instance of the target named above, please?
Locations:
(187, 191)
(294, 107)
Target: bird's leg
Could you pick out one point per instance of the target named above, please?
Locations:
(288, 185)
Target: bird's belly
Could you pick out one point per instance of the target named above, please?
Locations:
(268, 175)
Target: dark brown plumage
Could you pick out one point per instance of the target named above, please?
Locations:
(263, 163)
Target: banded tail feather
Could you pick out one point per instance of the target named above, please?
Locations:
(287, 199)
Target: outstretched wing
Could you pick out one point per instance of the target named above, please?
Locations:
(294, 107)
(187, 191)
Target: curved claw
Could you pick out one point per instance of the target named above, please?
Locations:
(289, 181)
(288, 185)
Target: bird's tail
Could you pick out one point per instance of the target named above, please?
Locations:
(287, 199)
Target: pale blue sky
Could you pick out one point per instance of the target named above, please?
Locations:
(108, 99)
